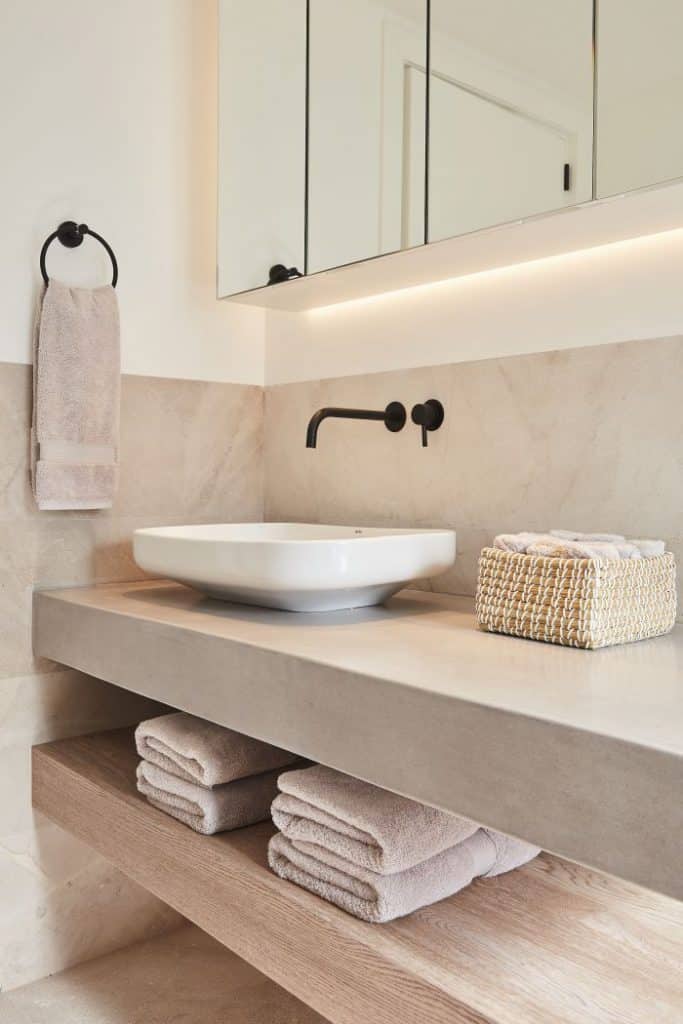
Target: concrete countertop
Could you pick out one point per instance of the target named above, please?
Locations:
(578, 751)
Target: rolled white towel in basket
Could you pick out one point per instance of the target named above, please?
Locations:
(520, 542)
(649, 548)
(571, 544)
(608, 538)
(557, 548)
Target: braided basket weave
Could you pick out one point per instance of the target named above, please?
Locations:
(577, 602)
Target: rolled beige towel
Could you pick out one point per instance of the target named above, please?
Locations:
(201, 752)
(519, 542)
(609, 538)
(378, 898)
(600, 549)
(571, 544)
(207, 811)
(363, 824)
(649, 548)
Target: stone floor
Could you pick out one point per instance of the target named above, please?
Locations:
(183, 977)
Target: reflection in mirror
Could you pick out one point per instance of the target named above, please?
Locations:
(511, 104)
(261, 140)
(367, 119)
(639, 93)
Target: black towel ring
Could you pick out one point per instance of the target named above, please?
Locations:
(71, 235)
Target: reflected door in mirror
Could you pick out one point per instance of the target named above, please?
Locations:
(262, 141)
(511, 111)
(639, 93)
(367, 129)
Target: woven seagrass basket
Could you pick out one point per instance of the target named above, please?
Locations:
(577, 602)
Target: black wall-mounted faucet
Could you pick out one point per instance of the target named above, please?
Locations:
(393, 417)
(429, 416)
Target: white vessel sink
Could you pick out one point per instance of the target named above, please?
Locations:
(296, 566)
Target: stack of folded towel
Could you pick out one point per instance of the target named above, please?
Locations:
(377, 855)
(210, 778)
(568, 544)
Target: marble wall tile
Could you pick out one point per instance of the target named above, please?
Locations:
(187, 449)
(185, 977)
(190, 452)
(588, 438)
(61, 904)
(190, 448)
(15, 413)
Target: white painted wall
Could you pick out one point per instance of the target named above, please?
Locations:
(108, 114)
(617, 292)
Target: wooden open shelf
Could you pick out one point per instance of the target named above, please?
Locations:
(551, 942)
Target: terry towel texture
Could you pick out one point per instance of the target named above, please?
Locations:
(374, 854)
(379, 898)
(362, 823)
(232, 805)
(202, 752)
(569, 544)
(76, 398)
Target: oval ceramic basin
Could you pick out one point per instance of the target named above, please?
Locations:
(295, 566)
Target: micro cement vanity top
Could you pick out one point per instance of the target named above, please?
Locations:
(578, 751)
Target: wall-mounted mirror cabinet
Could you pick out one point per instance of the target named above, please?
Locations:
(261, 140)
(639, 94)
(366, 129)
(351, 130)
(511, 110)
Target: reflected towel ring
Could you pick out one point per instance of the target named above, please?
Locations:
(71, 235)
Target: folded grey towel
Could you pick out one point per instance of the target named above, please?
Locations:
(229, 806)
(202, 752)
(379, 898)
(76, 397)
(367, 826)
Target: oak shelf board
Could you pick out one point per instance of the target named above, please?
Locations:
(551, 942)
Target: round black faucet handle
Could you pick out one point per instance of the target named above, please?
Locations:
(395, 416)
(418, 414)
(428, 415)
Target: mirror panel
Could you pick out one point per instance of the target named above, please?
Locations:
(639, 93)
(511, 102)
(261, 140)
(367, 129)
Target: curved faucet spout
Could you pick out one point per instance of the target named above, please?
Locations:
(393, 417)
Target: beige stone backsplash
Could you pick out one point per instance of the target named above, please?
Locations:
(588, 438)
